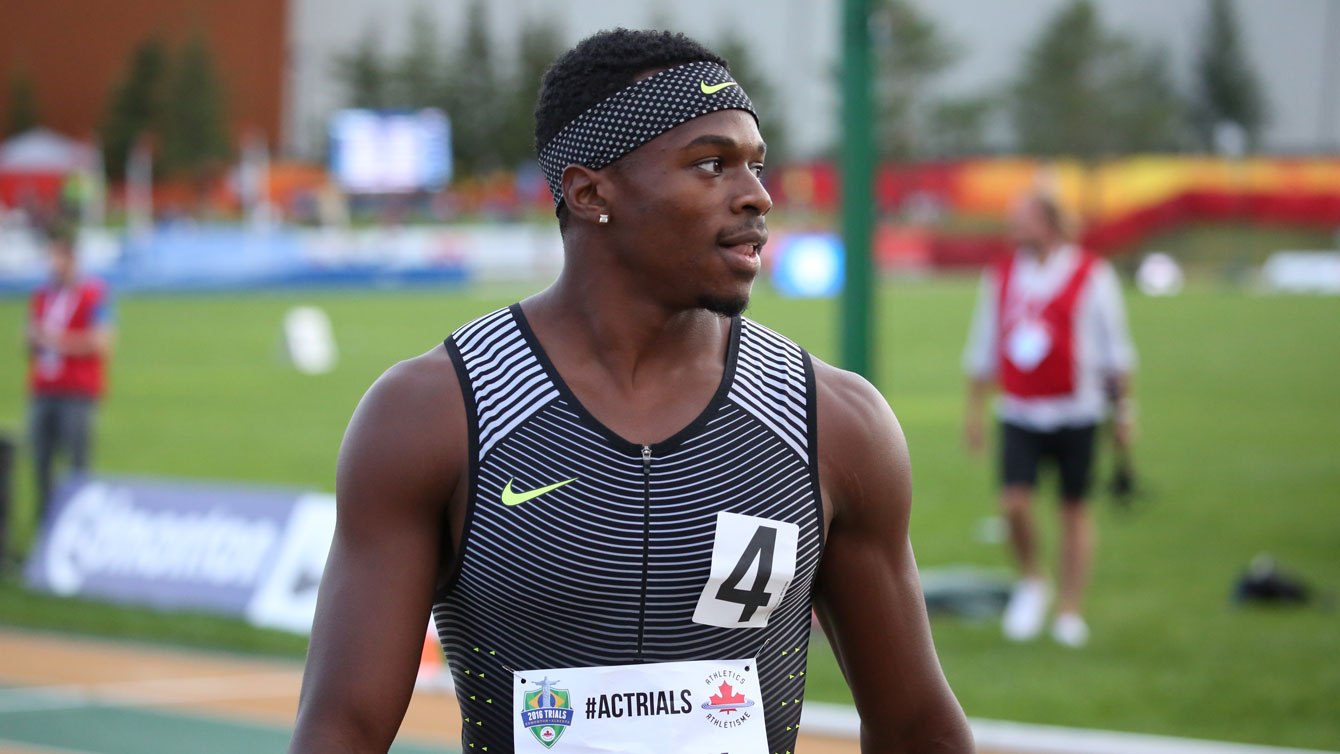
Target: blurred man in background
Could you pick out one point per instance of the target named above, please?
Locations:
(1050, 331)
(69, 336)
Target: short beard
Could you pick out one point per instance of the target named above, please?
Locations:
(726, 308)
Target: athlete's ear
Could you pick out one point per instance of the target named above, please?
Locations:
(584, 192)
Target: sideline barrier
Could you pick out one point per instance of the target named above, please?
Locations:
(251, 552)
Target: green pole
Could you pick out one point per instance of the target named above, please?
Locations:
(858, 217)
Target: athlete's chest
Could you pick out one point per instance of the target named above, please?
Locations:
(714, 529)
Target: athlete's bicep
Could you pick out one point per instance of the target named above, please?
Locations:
(869, 597)
(396, 471)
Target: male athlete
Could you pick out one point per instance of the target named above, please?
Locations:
(620, 498)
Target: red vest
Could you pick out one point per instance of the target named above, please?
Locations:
(1054, 374)
(77, 310)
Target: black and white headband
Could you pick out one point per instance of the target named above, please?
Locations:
(637, 114)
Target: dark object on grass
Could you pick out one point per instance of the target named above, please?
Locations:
(965, 591)
(1265, 583)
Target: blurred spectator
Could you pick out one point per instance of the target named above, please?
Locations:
(69, 336)
(1050, 330)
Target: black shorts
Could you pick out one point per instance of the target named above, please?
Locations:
(1023, 450)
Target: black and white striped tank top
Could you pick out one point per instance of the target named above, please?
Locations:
(583, 549)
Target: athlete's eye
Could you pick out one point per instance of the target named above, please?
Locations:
(758, 169)
(712, 165)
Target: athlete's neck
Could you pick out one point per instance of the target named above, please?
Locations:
(626, 334)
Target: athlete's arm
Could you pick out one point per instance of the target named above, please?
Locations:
(398, 468)
(869, 596)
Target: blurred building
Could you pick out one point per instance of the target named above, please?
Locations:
(76, 51)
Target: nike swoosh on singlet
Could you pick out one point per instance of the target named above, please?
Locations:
(511, 497)
(714, 88)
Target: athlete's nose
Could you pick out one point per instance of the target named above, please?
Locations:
(753, 197)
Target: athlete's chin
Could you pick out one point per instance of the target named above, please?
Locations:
(725, 305)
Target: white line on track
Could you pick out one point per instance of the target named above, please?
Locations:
(8, 745)
(1021, 738)
(167, 692)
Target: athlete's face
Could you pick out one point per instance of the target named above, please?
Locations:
(688, 207)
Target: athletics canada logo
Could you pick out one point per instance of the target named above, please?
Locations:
(728, 707)
(546, 712)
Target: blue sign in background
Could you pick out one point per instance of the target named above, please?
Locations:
(166, 544)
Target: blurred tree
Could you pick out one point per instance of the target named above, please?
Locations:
(537, 48)
(958, 126)
(1144, 111)
(473, 94)
(363, 74)
(761, 91)
(135, 105)
(23, 112)
(417, 77)
(1057, 103)
(910, 52)
(1087, 93)
(1227, 89)
(194, 137)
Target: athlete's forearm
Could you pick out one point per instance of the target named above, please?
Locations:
(946, 733)
(327, 740)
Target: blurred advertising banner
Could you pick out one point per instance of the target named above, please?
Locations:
(252, 552)
(238, 258)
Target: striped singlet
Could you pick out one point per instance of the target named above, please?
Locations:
(611, 565)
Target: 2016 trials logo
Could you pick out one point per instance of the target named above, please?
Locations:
(728, 707)
(546, 712)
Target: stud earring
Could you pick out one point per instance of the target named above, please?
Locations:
(604, 219)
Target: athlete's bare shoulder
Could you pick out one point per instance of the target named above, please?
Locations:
(410, 427)
(860, 439)
(847, 396)
(427, 377)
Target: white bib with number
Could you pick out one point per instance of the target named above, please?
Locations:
(711, 706)
(753, 562)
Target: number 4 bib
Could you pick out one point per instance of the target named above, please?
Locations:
(753, 562)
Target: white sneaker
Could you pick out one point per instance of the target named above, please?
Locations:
(1027, 611)
(1070, 630)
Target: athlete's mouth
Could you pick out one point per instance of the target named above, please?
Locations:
(749, 240)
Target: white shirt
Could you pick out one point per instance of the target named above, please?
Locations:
(1102, 342)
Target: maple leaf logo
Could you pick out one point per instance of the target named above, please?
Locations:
(727, 699)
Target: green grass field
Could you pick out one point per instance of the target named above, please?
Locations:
(1239, 447)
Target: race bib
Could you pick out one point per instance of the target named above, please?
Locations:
(713, 707)
(1028, 344)
(753, 562)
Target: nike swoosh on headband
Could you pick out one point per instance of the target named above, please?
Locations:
(714, 88)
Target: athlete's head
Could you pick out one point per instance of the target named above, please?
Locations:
(601, 65)
(1037, 222)
(648, 130)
